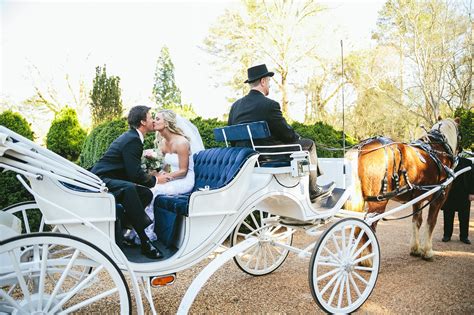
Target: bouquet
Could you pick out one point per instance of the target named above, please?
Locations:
(152, 160)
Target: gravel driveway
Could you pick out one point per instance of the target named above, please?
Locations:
(405, 284)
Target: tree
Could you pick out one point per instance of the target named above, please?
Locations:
(281, 32)
(165, 91)
(429, 37)
(106, 102)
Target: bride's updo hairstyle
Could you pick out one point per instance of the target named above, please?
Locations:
(171, 123)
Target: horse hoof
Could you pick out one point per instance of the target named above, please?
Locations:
(415, 254)
(425, 258)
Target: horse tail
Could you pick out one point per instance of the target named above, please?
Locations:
(356, 201)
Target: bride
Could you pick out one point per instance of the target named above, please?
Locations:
(178, 140)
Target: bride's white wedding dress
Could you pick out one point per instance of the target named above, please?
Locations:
(176, 186)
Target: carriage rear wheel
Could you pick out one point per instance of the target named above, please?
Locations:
(266, 255)
(344, 266)
(44, 273)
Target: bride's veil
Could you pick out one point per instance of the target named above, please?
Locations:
(191, 132)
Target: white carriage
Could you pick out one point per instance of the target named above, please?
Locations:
(71, 262)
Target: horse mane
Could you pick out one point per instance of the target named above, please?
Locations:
(448, 128)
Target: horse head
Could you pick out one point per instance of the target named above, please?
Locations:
(448, 128)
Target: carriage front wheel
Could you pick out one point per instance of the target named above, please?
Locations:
(344, 266)
(266, 255)
(44, 273)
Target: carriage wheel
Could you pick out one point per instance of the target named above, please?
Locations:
(264, 257)
(338, 281)
(36, 280)
(26, 212)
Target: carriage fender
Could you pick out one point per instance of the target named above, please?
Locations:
(9, 225)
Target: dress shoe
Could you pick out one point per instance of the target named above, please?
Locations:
(445, 239)
(150, 251)
(129, 243)
(322, 191)
(465, 241)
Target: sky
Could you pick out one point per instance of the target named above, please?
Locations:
(55, 38)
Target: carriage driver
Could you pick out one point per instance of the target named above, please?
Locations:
(255, 106)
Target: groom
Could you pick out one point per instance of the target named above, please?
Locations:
(120, 169)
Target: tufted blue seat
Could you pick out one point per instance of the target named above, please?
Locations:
(213, 169)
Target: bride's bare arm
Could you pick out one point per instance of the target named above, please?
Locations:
(182, 149)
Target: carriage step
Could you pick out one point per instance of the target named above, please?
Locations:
(330, 201)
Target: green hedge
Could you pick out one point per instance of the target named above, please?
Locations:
(466, 128)
(206, 129)
(11, 190)
(328, 140)
(99, 140)
(65, 136)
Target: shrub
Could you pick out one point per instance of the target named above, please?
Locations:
(466, 128)
(11, 190)
(326, 138)
(206, 129)
(99, 141)
(65, 136)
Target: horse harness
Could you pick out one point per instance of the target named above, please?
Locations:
(434, 136)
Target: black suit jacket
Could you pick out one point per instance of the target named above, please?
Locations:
(123, 161)
(463, 185)
(256, 107)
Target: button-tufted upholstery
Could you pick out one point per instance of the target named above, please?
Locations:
(214, 168)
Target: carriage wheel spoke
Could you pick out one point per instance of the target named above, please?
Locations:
(251, 256)
(26, 222)
(334, 290)
(364, 268)
(348, 291)
(360, 278)
(332, 255)
(261, 217)
(254, 220)
(6, 297)
(366, 244)
(338, 249)
(79, 287)
(341, 290)
(248, 226)
(343, 241)
(330, 282)
(21, 279)
(351, 237)
(269, 249)
(354, 285)
(356, 243)
(61, 279)
(329, 273)
(363, 258)
(90, 301)
(42, 276)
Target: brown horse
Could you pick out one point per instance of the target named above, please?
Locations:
(383, 169)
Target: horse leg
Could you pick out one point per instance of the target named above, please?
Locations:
(427, 252)
(416, 220)
(378, 207)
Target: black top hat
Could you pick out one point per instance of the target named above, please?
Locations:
(258, 72)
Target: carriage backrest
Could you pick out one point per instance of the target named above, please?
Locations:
(217, 167)
(248, 131)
